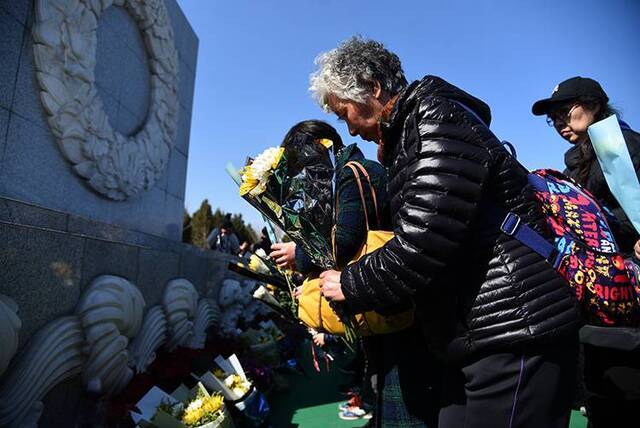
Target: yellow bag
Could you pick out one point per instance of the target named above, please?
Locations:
(314, 310)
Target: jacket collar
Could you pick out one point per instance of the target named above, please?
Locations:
(408, 98)
(574, 156)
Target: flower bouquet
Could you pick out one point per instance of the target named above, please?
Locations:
(282, 304)
(229, 379)
(261, 268)
(263, 294)
(295, 192)
(184, 408)
(206, 411)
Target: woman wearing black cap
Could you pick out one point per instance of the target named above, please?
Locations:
(612, 372)
(574, 105)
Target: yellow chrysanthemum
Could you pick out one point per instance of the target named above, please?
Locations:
(192, 417)
(213, 404)
(257, 265)
(203, 410)
(249, 181)
(256, 176)
(277, 158)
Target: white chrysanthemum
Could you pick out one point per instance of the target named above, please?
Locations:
(263, 164)
(256, 176)
(194, 405)
(263, 294)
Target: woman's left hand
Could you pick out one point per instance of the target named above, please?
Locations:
(284, 253)
(636, 249)
(330, 286)
(318, 339)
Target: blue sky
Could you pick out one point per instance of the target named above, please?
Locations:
(255, 58)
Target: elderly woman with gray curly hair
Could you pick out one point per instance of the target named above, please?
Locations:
(495, 310)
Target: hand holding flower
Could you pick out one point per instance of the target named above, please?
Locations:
(284, 254)
(297, 292)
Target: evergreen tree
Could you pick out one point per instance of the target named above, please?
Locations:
(197, 228)
(218, 218)
(201, 225)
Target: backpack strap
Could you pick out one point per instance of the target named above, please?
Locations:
(510, 148)
(512, 224)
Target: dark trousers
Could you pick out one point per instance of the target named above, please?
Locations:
(612, 379)
(512, 390)
(408, 380)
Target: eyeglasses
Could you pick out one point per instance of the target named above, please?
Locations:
(561, 117)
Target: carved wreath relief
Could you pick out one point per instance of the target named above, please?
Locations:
(65, 41)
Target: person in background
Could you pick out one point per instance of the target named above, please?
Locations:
(264, 242)
(223, 239)
(574, 105)
(245, 250)
(403, 385)
(499, 314)
(611, 362)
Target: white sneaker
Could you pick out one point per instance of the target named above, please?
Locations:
(352, 413)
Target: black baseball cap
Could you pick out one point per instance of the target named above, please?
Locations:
(568, 90)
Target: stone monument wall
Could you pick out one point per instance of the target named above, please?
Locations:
(95, 113)
(34, 167)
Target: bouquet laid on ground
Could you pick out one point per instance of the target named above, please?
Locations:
(294, 190)
(230, 380)
(182, 408)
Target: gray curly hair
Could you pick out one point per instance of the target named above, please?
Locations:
(349, 71)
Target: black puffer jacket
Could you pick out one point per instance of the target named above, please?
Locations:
(476, 290)
(583, 166)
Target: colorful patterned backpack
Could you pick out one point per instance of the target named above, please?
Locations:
(585, 252)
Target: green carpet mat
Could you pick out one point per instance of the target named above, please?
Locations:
(312, 401)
